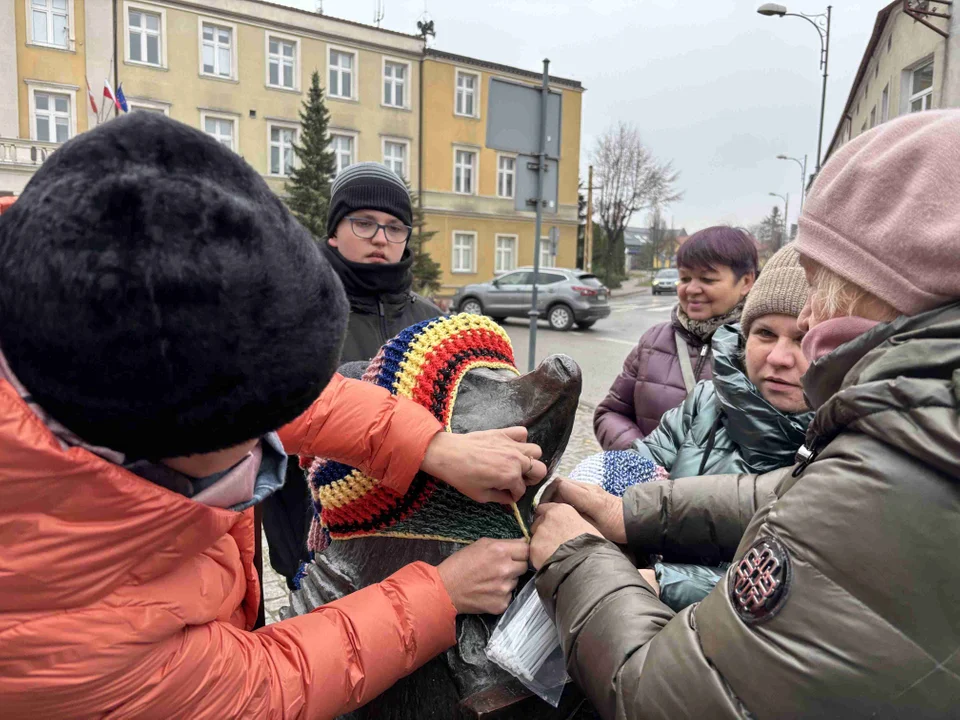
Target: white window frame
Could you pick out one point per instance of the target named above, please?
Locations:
(353, 135)
(923, 94)
(153, 10)
(217, 115)
(459, 270)
(501, 172)
(475, 177)
(498, 268)
(234, 41)
(354, 74)
(71, 41)
(267, 37)
(164, 107)
(407, 83)
(281, 125)
(406, 153)
(476, 93)
(547, 260)
(885, 104)
(33, 87)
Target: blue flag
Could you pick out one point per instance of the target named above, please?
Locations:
(121, 99)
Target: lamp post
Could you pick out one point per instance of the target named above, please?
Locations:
(803, 175)
(821, 23)
(786, 209)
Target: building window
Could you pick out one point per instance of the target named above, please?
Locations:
(144, 37)
(50, 22)
(467, 91)
(548, 254)
(342, 146)
(863, 128)
(342, 67)
(921, 88)
(281, 63)
(395, 157)
(146, 105)
(395, 84)
(464, 252)
(282, 140)
(873, 116)
(889, 42)
(506, 176)
(876, 71)
(221, 129)
(885, 104)
(506, 255)
(217, 50)
(866, 88)
(465, 172)
(52, 114)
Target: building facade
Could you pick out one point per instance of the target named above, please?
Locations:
(474, 194)
(908, 67)
(240, 70)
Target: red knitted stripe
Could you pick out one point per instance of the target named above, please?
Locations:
(332, 519)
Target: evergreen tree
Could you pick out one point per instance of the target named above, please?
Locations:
(309, 187)
(426, 270)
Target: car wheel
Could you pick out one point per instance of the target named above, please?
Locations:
(471, 306)
(586, 324)
(560, 317)
(656, 292)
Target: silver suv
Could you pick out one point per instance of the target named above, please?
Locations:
(564, 297)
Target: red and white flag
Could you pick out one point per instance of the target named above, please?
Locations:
(108, 93)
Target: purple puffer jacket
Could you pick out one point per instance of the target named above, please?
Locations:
(650, 384)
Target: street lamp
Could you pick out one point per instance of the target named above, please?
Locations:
(786, 209)
(821, 23)
(803, 175)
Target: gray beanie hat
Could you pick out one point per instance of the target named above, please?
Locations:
(368, 186)
(781, 288)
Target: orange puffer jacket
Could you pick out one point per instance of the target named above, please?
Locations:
(121, 599)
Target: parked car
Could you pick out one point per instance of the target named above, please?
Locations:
(666, 281)
(564, 297)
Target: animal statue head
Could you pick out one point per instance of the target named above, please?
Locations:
(462, 369)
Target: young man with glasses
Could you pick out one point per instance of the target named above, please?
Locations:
(368, 228)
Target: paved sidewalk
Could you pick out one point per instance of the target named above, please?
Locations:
(582, 443)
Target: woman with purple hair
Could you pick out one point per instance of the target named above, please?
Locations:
(718, 266)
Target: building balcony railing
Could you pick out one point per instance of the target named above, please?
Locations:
(24, 154)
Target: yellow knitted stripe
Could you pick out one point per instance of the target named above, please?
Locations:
(407, 536)
(346, 490)
(430, 337)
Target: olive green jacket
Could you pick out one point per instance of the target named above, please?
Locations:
(842, 598)
(726, 425)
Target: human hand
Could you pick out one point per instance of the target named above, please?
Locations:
(481, 578)
(650, 575)
(555, 525)
(486, 466)
(598, 507)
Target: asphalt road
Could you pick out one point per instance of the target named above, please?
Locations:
(601, 350)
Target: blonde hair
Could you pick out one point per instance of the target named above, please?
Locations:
(835, 296)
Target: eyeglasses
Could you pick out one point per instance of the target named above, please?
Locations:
(394, 232)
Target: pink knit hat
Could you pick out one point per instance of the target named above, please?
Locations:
(885, 212)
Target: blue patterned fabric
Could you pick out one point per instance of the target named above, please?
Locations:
(616, 470)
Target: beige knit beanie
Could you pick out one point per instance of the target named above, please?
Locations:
(884, 212)
(781, 288)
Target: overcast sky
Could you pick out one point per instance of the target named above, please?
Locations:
(710, 84)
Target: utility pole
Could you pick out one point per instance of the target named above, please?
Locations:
(541, 170)
(588, 231)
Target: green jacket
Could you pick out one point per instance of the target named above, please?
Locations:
(842, 597)
(726, 425)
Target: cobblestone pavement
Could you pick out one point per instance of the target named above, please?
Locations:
(582, 443)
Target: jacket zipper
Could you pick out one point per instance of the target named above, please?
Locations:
(383, 321)
(700, 362)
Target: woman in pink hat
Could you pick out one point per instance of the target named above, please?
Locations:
(841, 600)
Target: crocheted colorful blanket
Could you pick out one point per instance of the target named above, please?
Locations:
(426, 363)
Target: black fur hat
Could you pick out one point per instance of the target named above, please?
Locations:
(158, 299)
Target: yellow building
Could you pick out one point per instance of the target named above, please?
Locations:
(240, 70)
(469, 189)
(904, 69)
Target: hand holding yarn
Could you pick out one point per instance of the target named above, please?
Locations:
(555, 525)
(486, 466)
(481, 578)
(600, 509)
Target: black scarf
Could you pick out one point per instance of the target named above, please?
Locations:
(371, 279)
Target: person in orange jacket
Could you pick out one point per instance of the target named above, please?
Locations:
(161, 315)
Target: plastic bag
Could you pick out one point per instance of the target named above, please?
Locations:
(526, 644)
